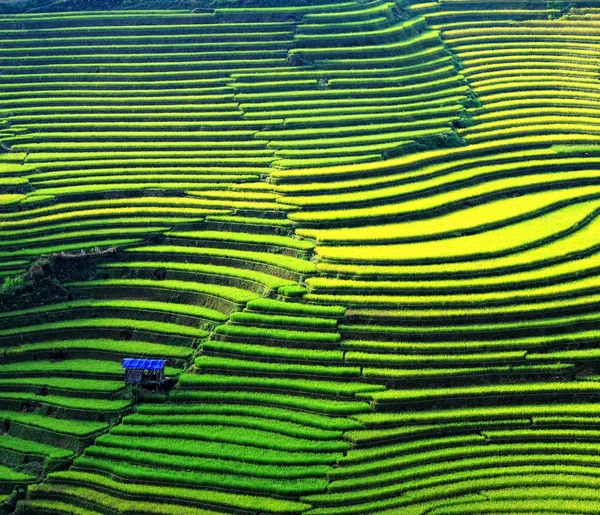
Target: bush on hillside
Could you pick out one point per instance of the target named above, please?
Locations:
(562, 6)
(43, 282)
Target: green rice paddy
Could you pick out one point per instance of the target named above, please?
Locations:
(363, 234)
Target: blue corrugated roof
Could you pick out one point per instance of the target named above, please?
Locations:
(145, 364)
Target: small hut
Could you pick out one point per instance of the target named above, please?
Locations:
(146, 373)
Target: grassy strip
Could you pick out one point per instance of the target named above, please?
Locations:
(11, 443)
(260, 438)
(333, 106)
(8, 199)
(395, 48)
(567, 421)
(238, 193)
(85, 189)
(464, 476)
(140, 177)
(445, 374)
(93, 217)
(326, 16)
(206, 465)
(267, 352)
(381, 436)
(496, 113)
(436, 359)
(526, 130)
(295, 291)
(38, 251)
(443, 481)
(575, 355)
(210, 28)
(278, 241)
(70, 366)
(576, 149)
(98, 323)
(169, 131)
(249, 220)
(420, 159)
(360, 114)
(303, 134)
(393, 31)
(330, 105)
(295, 308)
(548, 505)
(578, 242)
(207, 40)
(119, 347)
(420, 170)
(452, 197)
(395, 469)
(13, 264)
(378, 420)
(277, 260)
(96, 93)
(447, 347)
(542, 435)
(240, 421)
(247, 318)
(169, 307)
(79, 428)
(111, 222)
(112, 14)
(362, 139)
(278, 334)
(571, 288)
(64, 383)
(226, 292)
(219, 108)
(228, 365)
(43, 506)
(108, 503)
(298, 417)
(213, 498)
(547, 321)
(12, 157)
(324, 161)
(85, 173)
(217, 450)
(474, 219)
(129, 472)
(8, 474)
(521, 280)
(494, 125)
(77, 117)
(77, 403)
(347, 112)
(86, 234)
(361, 458)
(322, 406)
(270, 281)
(488, 188)
(229, 204)
(300, 385)
(180, 161)
(122, 207)
(575, 387)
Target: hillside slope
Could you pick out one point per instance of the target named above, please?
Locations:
(363, 234)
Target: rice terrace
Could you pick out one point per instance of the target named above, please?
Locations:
(321, 257)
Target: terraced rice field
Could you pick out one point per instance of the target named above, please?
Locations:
(364, 235)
